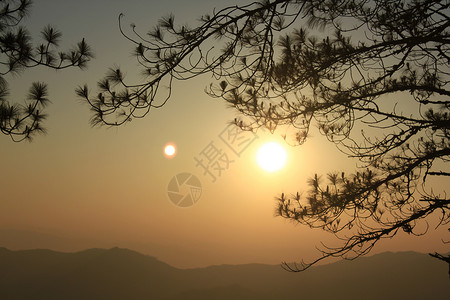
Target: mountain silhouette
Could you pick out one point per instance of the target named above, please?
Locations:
(125, 274)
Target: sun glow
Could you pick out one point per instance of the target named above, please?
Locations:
(271, 157)
(170, 150)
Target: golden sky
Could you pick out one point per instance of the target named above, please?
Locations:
(80, 187)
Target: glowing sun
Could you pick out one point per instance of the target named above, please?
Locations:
(170, 150)
(271, 157)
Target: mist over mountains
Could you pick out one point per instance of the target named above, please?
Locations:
(125, 274)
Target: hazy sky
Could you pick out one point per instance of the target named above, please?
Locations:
(80, 187)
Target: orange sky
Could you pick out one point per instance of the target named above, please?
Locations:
(80, 187)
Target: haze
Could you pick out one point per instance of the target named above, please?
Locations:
(78, 187)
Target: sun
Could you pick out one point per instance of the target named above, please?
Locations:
(271, 157)
(170, 150)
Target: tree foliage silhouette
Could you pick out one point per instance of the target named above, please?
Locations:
(23, 121)
(372, 75)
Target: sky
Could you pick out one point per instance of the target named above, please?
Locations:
(79, 187)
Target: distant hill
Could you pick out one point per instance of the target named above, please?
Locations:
(124, 274)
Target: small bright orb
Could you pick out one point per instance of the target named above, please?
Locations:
(170, 150)
(271, 157)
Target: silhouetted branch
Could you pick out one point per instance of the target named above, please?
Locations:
(373, 76)
(17, 54)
